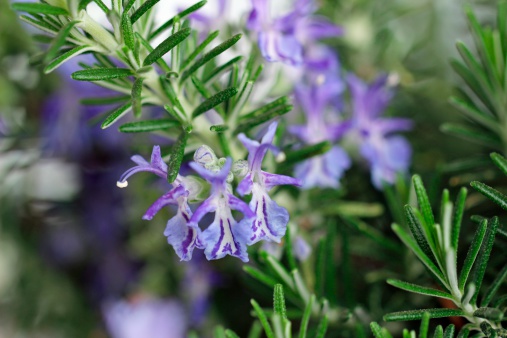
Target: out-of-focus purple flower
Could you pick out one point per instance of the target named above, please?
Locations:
(181, 235)
(271, 220)
(387, 154)
(314, 100)
(224, 236)
(300, 248)
(284, 38)
(149, 317)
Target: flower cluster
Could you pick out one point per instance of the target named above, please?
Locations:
(263, 218)
(291, 39)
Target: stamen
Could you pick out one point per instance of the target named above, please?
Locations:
(121, 184)
(280, 157)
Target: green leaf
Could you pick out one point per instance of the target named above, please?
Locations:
(279, 301)
(423, 202)
(424, 327)
(419, 289)
(199, 49)
(230, 334)
(262, 317)
(166, 46)
(472, 254)
(221, 69)
(483, 256)
(145, 7)
(373, 233)
(176, 157)
(101, 74)
(255, 330)
(161, 62)
(248, 124)
(491, 193)
(66, 57)
(472, 134)
(219, 332)
(148, 126)
(495, 285)
(418, 314)
(103, 101)
(59, 41)
(306, 317)
(464, 333)
(472, 82)
(279, 269)
(137, 90)
(409, 242)
(43, 26)
(376, 330)
(210, 56)
(489, 313)
(439, 332)
(127, 6)
(458, 217)
(38, 8)
(500, 161)
(472, 112)
(260, 276)
(282, 101)
(214, 101)
(449, 331)
(180, 15)
(307, 152)
(116, 115)
(322, 328)
(417, 230)
(127, 32)
(219, 128)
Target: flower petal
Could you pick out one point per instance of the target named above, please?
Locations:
(271, 180)
(180, 236)
(221, 238)
(271, 219)
(170, 198)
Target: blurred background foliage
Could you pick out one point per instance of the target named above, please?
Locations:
(62, 255)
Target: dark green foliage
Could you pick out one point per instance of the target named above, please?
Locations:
(101, 74)
(148, 126)
(210, 56)
(166, 46)
(214, 101)
(176, 157)
(38, 8)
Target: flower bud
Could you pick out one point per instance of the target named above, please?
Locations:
(240, 168)
(205, 156)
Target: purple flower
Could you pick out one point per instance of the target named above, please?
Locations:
(387, 154)
(224, 236)
(284, 38)
(271, 219)
(154, 318)
(181, 235)
(324, 170)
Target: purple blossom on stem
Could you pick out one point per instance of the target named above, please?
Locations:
(387, 154)
(181, 235)
(271, 219)
(324, 170)
(224, 236)
(284, 38)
